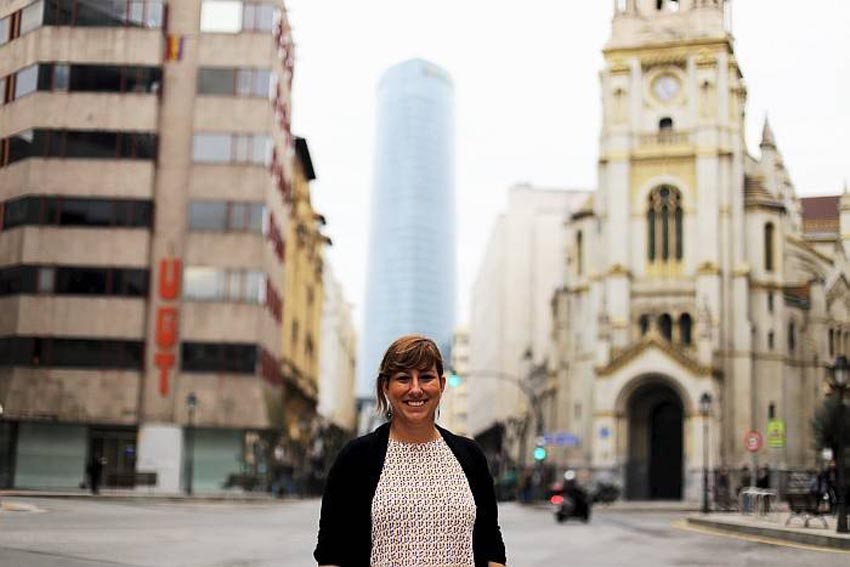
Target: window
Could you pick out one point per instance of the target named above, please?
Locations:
(100, 13)
(225, 216)
(231, 81)
(71, 353)
(31, 17)
(232, 148)
(770, 340)
(579, 254)
(768, 247)
(78, 144)
(214, 284)
(792, 336)
(72, 211)
(222, 16)
(233, 16)
(665, 326)
(831, 343)
(665, 239)
(643, 324)
(665, 125)
(26, 81)
(236, 358)
(685, 328)
(73, 280)
(5, 30)
(770, 302)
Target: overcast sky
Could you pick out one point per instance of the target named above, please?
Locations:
(527, 100)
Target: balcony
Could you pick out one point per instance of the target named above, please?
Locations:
(665, 138)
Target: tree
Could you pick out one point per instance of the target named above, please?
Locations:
(826, 424)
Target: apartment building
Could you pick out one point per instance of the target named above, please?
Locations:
(146, 172)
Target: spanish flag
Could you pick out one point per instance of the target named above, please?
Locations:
(174, 48)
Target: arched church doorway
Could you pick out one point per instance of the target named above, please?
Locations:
(656, 447)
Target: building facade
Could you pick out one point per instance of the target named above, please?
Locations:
(146, 179)
(511, 315)
(694, 269)
(411, 266)
(454, 405)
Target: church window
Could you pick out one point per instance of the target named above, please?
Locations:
(768, 247)
(579, 253)
(770, 302)
(665, 219)
(685, 326)
(831, 343)
(643, 323)
(770, 340)
(665, 124)
(665, 326)
(792, 336)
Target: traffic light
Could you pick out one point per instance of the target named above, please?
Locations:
(453, 379)
(539, 453)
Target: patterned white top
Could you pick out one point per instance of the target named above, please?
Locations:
(423, 511)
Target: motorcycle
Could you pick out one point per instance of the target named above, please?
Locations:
(570, 500)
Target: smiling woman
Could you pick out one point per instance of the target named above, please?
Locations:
(410, 493)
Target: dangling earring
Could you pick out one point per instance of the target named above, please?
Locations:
(438, 412)
(389, 414)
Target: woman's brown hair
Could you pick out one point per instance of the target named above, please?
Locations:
(406, 353)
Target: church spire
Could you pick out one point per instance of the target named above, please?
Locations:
(767, 138)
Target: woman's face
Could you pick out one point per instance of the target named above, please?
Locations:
(415, 394)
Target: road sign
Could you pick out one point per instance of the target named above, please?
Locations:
(753, 441)
(562, 439)
(776, 434)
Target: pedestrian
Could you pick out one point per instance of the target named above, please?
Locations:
(410, 493)
(95, 471)
(746, 478)
(722, 489)
(763, 478)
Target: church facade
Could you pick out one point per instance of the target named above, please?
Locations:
(693, 269)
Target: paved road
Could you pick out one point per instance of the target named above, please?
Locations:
(100, 533)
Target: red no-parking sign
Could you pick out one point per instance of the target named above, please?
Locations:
(753, 441)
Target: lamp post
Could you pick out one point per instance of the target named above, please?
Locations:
(840, 374)
(191, 405)
(705, 411)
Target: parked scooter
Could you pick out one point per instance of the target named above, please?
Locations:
(570, 500)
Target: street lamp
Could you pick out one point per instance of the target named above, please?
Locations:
(705, 411)
(191, 405)
(840, 374)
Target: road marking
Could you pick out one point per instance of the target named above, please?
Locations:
(683, 525)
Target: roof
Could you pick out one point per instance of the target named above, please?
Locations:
(820, 214)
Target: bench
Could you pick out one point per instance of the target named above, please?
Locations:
(805, 506)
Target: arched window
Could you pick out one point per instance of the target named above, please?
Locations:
(665, 326)
(831, 343)
(685, 326)
(579, 253)
(643, 323)
(665, 124)
(768, 247)
(665, 220)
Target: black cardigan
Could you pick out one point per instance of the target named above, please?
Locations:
(345, 526)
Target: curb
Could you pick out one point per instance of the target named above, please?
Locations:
(151, 497)
(782, 535)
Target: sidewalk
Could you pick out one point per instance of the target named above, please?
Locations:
(148, 494)
(772, 528)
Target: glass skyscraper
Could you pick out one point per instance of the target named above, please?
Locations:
(411, 277)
